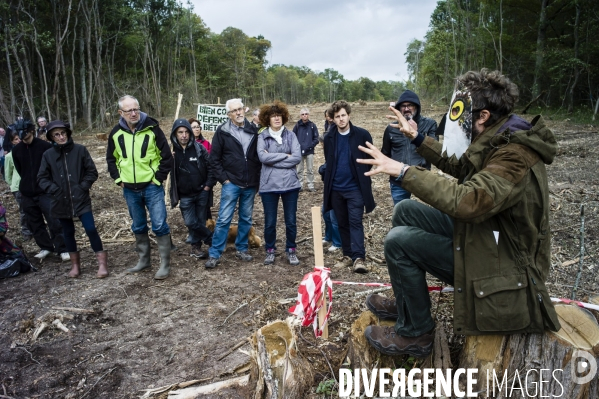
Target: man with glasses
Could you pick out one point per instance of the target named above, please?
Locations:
(399, 147)
(307, 135)
(139, 160)
(236, 166)
(41, 130)
(36, 204)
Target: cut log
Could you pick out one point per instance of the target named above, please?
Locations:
(362, 355)
(277, 371)
(517, 360)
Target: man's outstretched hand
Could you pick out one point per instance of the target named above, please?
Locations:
(408, 127)
(381, 163)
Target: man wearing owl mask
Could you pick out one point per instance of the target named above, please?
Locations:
(488, 230)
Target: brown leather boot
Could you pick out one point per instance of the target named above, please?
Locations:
(102, 257)
(386, 341)
(384, 308)
(75, 264)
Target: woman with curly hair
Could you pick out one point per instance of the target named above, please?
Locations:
(196, 127)
(280, 152)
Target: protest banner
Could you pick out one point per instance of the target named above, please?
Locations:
(210, 116)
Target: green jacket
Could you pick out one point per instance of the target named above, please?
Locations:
(500, 207)
(138, 158)
(10, 172)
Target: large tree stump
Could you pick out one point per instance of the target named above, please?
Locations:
(277, 371)
(516, 360)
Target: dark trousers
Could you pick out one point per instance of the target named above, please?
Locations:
(68, 229)
(193, 210)
(349, 209)
(270, 201)
(37, 208)
(25, 231)
(420, 241)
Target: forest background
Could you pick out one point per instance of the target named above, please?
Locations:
(72, 59)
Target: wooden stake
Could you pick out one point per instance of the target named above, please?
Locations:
(319, 262)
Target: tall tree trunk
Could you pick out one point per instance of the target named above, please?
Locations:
(13, 99)
(540, 53)
(66, 89)
(82, 74)
(41, 64)
(27, 83)
(576, 66)
(500, 56)
(73, 69)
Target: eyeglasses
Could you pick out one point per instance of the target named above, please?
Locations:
(59, 134)
(406, 106)
(131, 111)
(235, 111)
(196, 127)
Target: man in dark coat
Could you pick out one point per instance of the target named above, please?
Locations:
(37, 205)
(236, 166)
(399, 147)
(191, 182)
(346, 190)
(307, 135)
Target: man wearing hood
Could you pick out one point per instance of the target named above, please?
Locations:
(489, 228)
(139, 160)
(399, 147)
(191, 182)
(27, 156)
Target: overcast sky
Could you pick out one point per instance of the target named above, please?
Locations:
(357, 38)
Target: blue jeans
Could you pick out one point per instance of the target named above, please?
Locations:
(193, 210)
(349, 209)
(399, 194)
(229, 195)
(151, 197)
(331, 228)
(68, 229)
(420, 241)
(271, 205)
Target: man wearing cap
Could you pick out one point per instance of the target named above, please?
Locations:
(399, 148)
(139, 160)
(27, 157)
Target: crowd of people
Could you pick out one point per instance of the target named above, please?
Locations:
(489, 228)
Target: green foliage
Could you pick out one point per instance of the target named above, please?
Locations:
(326, 386)
(549, 50)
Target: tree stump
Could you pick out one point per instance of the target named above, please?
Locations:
(517, 360)
(277, 371)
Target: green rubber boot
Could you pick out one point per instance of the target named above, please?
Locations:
(142, 242)
(164, 248)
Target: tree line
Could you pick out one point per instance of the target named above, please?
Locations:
(547, 47)
(72, 59)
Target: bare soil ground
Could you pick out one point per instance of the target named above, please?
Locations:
(147, 333)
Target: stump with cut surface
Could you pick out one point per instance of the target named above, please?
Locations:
(517, 360)
(277, 370)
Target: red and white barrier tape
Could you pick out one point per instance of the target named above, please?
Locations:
(450, 289)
